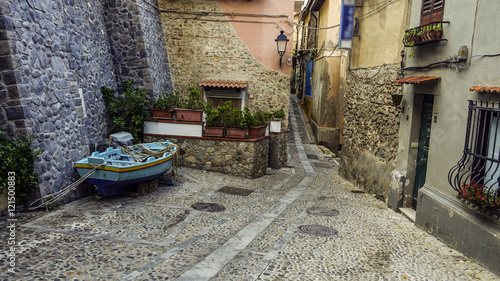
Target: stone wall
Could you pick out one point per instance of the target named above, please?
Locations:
(244, 158)
(278, 150)
(371, 123)
(54, 58)
(203, 46)
(137, 44)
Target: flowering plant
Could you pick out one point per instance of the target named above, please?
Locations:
(479, 195)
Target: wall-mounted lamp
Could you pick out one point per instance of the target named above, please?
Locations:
(281, 41)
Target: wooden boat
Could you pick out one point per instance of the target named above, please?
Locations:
(120, 169)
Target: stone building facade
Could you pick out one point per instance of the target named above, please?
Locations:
(202, 46)
(54, 58)
(370, 133)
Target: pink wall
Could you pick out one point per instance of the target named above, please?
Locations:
(259, 37)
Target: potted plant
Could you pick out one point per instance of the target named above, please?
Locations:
(234, 121)
(256, 123)
(163, 106)
(275, 124)
(192, 109)
(214, 124)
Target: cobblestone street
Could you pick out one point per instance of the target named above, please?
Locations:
(302, 222)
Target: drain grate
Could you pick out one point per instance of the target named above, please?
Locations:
(322, 211)
(317, 230)
(235, 190)
(208, 207)
(312, 156)
(357, 191)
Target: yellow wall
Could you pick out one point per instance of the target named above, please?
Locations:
(381, 31)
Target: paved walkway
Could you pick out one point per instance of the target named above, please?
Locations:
(302, 222)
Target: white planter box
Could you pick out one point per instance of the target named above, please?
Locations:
(173, 129)
(275, 126)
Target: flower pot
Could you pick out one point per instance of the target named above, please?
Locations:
(214, 131)
(163, 113)
(396, 99)
(257, 132)
(236, 133)
(188, 114)
(275, 126)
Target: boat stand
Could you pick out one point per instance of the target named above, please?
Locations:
(142, 189)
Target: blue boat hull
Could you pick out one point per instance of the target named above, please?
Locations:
(117, 176)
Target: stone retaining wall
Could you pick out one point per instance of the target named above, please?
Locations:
(244, 158)
(370, 133)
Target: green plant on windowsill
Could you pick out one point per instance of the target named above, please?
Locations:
(279, 113)
(194, 100)
(167, 101)
(234, 118)
(479, 196)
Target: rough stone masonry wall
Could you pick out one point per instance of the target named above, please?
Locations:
(278, 150)
(60, 58)
(138, 44)
(54, 58)
(247, 159)
(371, 128)
(200, 48)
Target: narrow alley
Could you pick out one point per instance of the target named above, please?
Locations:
(302, 222)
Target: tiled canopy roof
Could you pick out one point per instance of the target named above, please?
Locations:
(217, 83)
(417, 79)
(485, 89)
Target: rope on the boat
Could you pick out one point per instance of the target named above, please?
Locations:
(56, 196)
(140, 152)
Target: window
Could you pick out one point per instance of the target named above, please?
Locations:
(216, 97)
(476, 177)
(432, 11)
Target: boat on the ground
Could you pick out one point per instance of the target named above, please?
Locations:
(119, 169)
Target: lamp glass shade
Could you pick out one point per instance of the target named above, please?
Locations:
(281, 41)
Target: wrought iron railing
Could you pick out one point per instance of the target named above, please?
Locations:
(476, 176)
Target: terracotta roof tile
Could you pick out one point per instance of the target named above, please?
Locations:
(418, 79)
(485, 89)
(217, 83)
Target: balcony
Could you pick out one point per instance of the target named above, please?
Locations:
(425, 34)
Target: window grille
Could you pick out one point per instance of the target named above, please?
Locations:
(476, 176)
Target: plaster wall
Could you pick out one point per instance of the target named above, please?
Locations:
(438, 211)
(381, 29)
(451, 92)
(259, 38)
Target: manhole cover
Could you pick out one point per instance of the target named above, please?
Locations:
(322, 165)
(208, 207)
(322, 211)
(235, 190)
(317, 230)
(357, 191)
(312, 156)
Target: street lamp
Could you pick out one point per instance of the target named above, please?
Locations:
(281, 41)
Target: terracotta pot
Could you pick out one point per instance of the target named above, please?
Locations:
(214, 131)
(188, 114)
(257, 132)
(236, 133)
(163, 113)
